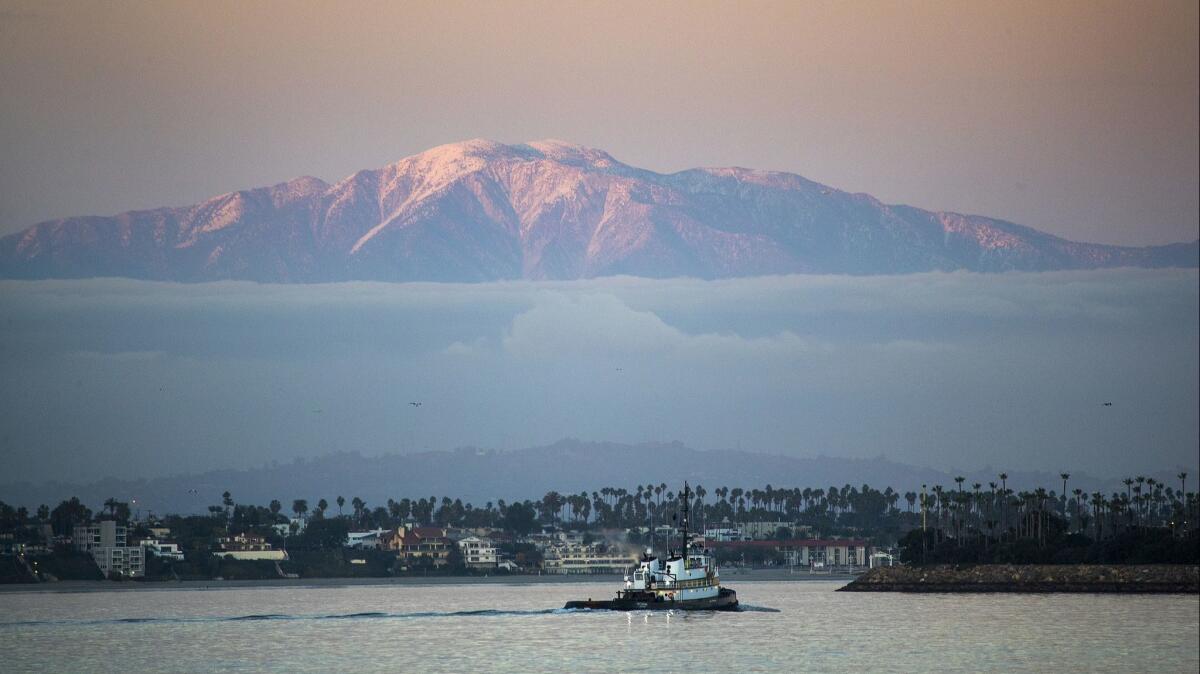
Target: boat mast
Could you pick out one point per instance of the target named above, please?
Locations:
(687, 497)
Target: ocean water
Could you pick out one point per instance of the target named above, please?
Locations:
(789, 626)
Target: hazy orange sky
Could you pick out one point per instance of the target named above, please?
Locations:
(1079, 118)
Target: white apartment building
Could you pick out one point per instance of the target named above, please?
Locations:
(364, 540)
(724, 534)
(170, 551)
(107, 542)
(581, 559)
(127, 560)
(478, 553)
(247, 546)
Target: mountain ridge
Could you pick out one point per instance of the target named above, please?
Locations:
(481, 210)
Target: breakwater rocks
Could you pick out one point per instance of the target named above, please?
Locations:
(1133, 579)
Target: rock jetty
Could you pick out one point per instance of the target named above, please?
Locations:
(1134, 579)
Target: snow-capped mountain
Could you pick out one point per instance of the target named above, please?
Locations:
(481, 210)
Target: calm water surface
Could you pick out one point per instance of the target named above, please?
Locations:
(790, 627)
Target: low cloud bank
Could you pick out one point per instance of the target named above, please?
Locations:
(116, 377)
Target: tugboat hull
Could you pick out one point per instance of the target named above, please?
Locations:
(726, 600)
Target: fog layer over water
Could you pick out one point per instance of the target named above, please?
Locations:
(117, 377)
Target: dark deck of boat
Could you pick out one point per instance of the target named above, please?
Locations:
(726, 600)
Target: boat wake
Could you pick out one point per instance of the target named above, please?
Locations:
(747, 608)
(372, 615)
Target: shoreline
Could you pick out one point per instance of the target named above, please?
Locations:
(1032, 579)
(738, 576)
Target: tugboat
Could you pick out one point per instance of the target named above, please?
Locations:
(687, 580)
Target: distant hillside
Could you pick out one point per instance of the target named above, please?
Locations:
(479, 476)
(482, 211)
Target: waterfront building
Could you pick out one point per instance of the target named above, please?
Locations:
(586, 559)
(162, 550)
(478, 553)
(247, 546)
(108, 543)
(416, 546)
(365, 540)
(812, 552)
(724, 534)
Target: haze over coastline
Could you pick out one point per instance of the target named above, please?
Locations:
(119, 377)
(568, 466)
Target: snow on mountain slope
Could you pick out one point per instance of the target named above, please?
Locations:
(481, 210)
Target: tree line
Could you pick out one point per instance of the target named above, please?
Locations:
(961, 512)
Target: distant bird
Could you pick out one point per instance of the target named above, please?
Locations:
(620, 369)
(1108, 404)
(316, 411)
(415, 404)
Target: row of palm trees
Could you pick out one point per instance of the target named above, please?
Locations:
(991, 512)
(994, 511)
(997, 512)
(618, 507)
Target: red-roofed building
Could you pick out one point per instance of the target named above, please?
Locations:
(415, 546)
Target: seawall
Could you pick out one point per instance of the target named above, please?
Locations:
(1133, 579)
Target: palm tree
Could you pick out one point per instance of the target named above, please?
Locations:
(1004, 504)
(300, 506)
(1128, 482)
(1065, 477)
(1184, 501)
(1078, 510)
(1102, 512)
(341, 501)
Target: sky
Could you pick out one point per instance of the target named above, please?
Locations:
(948, 370)
(1076, 117)
(1080, 118)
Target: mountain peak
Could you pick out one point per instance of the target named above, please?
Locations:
(480, 210)
(478, 151)
(572, 153)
